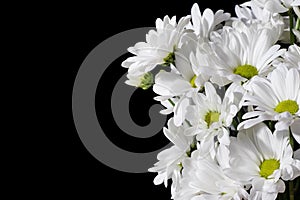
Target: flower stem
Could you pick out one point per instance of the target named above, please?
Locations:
(291, 188)
(291, 17)
(171, 102)
(291, 140)
(297, 27)
(297, 186)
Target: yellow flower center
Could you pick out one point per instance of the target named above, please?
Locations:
(192, 81)
(246, 71)
(287, 106)
(267, 167)
(211, 117)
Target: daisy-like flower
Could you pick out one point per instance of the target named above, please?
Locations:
(204, 24)
(243, 52)
(159, 46)
(181, 79)
(170, 160)
(210, 116)
(262, 159)
(250, 13)
(203, 179)
(276, 98)
(181, 82)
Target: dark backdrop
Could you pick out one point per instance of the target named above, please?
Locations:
(79, 27)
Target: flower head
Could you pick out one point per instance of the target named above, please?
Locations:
(210, 116)
(169, 164)
(203, 179)
(262, 159)
(206, 22)
(243, 52)
(159, 46)
(276, 98)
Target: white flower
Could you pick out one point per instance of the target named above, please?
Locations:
(277, 98)
(169, 164)
(205, 179)
(243, 52)
(262, 159)
(210, 116)
(204, 24)
(250, 13)
(182, 79)
(181, 82)
(159, 46)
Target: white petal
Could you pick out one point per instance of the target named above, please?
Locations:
(211, 93)
(295, 128)
(275, 7)
(173, 83)
(196, 16)
(180, 111)
(292, 84)
(159, 179)
(296, 3)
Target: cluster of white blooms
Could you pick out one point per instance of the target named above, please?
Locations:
(234, 94)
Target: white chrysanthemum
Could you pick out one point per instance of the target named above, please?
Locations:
(276, 98)
(204, 179)
(169, 164)
(277, 6)
(262, 159)
(250, 13)
(181, 82)
(204, 24)
(182, 79)
(159, 46)
(243, 52)
(210, 116)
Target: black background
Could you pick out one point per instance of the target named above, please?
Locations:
(79, 27)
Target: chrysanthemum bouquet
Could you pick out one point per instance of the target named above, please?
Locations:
(234, 93)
